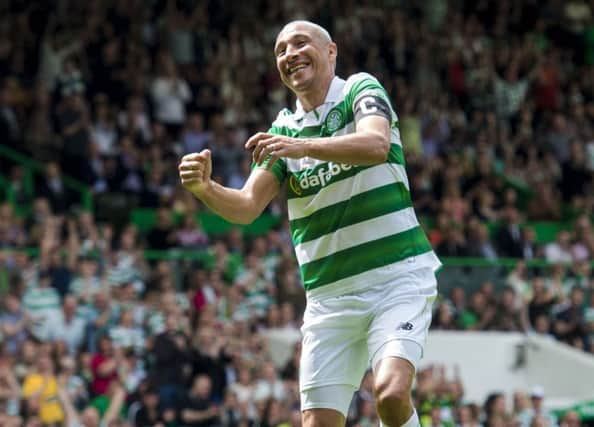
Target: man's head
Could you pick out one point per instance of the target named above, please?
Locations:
(305, 56)
(69, 306)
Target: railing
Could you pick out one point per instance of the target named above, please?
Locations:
(470, 273)
(32, 167)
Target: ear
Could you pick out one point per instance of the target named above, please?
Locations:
(333, 51)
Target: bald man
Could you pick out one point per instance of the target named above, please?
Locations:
(366, 264)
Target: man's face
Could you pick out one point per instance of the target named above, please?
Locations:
(303, 57)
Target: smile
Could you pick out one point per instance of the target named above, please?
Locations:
(296, 68)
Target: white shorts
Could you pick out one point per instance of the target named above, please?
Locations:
(343, 335)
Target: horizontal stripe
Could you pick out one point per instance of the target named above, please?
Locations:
(313, 180)
(396, 155)
(295, 166)
(355, 235)
(361, 207)
(367, 179)
(367, 256)
(383, 274)
(42, 306)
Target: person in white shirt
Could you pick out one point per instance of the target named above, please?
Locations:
(269, 385)
(170, 94)
(69, 326)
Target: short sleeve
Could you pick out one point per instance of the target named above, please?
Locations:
(279, 169)
(363, 84)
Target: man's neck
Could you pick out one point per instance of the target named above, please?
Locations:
(316, 95)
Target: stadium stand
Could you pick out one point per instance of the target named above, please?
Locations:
(135, 306)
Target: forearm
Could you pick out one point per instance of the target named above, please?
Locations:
(232, 204)
(359, 148)
(115, 406)
(195, 416)
(68, 407)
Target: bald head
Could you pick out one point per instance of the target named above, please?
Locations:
(317, 31)
(306, 60)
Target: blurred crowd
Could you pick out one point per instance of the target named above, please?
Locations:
(557, 302)
(495, 102)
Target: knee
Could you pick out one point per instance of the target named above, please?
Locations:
(391, 393)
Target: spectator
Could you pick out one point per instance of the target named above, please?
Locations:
(40, 389)
(149, 412)
(104, 366)
(479, 315)
(543, 300)
(70, 326)
(210, 357)
(10, 129)
(125, 335)
(13, 324)
(10, 392)
(170, 93)
(198, 410)
(135, 122)
(159, 236)
(444, 318)
(87, 282)
(42, 305)
(172, 356)
(571, 419)
(510, 316)
(71, 383)
(537, 410)
(54, 190)
(194, 137)
(560, 250)
(486, 131)
(479, 244)
(73, 122)
(269, 384)
(103, 131)
(509, 236)
(190, 234)
(568, 324)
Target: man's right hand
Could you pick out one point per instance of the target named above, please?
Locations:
(195, 170)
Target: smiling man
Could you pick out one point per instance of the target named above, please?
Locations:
(366, 264)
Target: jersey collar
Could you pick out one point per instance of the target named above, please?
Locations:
(332, 96)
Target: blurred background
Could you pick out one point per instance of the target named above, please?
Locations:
(125, 302)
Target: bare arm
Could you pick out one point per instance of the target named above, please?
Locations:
(238, 206)
(107, 368)
(71, 413)
(115, 406)
(196, 416)
(368, 145)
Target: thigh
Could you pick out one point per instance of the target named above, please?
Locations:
(322, 418)
(326, 406)
(402, 316)
(334, 346)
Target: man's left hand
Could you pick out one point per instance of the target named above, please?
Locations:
(275, 146)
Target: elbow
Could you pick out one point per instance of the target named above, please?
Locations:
(244, 219)
(244, 216)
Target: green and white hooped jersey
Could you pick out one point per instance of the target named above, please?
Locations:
(352, 226)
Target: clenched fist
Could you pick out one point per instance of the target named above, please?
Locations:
(195, 170)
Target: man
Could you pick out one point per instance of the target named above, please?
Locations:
(70, 326)
(367, 266)
(40, 389)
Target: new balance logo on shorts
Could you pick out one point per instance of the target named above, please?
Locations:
(405, 326)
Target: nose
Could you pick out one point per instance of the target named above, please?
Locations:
(291, 52)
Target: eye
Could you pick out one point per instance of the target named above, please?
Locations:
(281, 52)
(301, 43)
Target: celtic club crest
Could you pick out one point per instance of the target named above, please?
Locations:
(334, 120)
